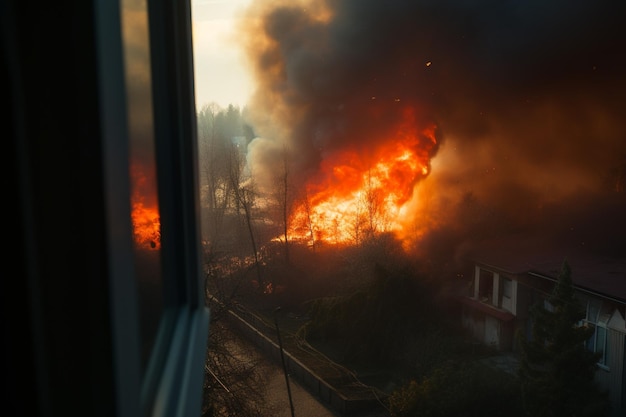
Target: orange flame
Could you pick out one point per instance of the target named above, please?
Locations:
(355, 196)
(146, 226)
(145, 217)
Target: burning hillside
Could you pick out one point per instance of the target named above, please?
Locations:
(365, 191)
(530, 98)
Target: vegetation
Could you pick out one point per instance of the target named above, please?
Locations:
(398, 323)
(234, 380)
(458, 389)
(235, 376)
(557, 371)
(368, 306)
(366, 325)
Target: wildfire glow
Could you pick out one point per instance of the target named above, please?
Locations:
(361, 193)
(146, 226)
(145, 217)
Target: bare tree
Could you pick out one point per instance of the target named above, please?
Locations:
(235, 379)
(306, 204)
(372, 205)
(236, 376)
(214, 152)
(359, 222)
(244, 195)
(284, 198)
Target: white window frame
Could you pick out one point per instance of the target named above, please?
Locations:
(599, 321)
(509, 302)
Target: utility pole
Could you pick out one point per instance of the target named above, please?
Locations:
(282, 359)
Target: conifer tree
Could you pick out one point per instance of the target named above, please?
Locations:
(556, 369)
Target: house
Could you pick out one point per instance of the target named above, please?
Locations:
(508, 277)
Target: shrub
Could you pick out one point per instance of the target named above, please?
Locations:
(458, 390)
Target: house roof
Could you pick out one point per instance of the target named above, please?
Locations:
(545, 257)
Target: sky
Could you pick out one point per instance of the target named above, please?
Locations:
(220, 73)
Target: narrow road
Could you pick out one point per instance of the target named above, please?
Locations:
(304, 404)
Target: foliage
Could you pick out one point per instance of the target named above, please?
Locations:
(556, 370)
(434, 347)
(458, 389)
(371, 323)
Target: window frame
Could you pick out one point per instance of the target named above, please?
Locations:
(173, 382)
(599, 321)
(72, 332)
(508, 302)
(604, 343)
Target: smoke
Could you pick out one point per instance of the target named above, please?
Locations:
(528, 96)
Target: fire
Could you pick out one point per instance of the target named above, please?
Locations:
(357, 193)
(145, 217)
(146, 226)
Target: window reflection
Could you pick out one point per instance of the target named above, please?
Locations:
(144, 195)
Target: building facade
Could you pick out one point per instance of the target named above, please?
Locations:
(502, 291)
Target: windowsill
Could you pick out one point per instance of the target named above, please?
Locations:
(604, 367)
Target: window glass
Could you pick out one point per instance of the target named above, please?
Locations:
(144, 196)
(591, 342)
(507, 286)
(485, 286)
(593, 309)
(507, 291)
